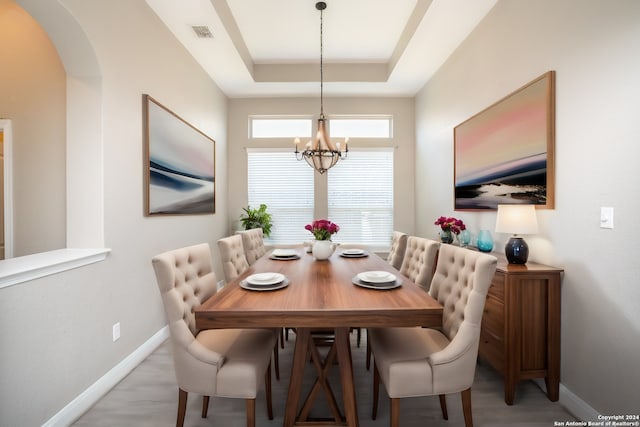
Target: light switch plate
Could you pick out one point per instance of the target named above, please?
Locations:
(116, 332)
(606, 217)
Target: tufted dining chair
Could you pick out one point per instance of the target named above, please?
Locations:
(419, 260)
(253, 243)
(424, 361)
(418, 264)
(216, 362)
(398, 246)
(234, 261)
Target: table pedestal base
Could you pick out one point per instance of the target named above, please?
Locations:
(340, 349)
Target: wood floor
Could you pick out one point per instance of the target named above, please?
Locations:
(149, 397)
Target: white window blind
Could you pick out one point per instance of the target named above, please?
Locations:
(285, 185)
(360, 197)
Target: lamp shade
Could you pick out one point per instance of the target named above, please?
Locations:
(516, 219)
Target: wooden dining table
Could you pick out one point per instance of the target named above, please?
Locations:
(320, 295)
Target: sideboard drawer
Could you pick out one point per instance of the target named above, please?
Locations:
(497, 286)
(493, 317)
(492, 350)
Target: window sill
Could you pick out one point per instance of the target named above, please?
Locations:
(23, 269)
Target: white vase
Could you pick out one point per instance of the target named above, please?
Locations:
(322, 249)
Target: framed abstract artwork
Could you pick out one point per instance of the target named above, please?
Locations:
(505, 153)
(179, 164)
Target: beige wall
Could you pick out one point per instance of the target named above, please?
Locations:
(593, 45)
(55, 332)
(403, 139)
(2, 194)
(33, 96)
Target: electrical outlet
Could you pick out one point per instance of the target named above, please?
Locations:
(116, 332)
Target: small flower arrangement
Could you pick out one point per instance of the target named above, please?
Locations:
(450, 224)
(322, 229)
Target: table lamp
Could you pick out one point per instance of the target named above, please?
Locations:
(516, 219)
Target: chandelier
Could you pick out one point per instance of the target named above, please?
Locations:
(320, 153)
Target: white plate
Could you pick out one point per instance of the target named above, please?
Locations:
(284, 258)
(284, 253)
(376, 277)
(265, 279)
(380, 286)
(352, 252)
(250, 287)
(362, 255)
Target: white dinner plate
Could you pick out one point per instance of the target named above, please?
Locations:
(284, 258)
(265, 279)
(347, 253)
(376, 277)
(379, 286)
(284, 253)
(250, 287)
(352, 252)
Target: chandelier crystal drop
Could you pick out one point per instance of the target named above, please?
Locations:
(320, 153)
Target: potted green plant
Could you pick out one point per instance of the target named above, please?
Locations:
(257, 218)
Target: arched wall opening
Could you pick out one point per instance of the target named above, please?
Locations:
(84, 151)
(84, 156)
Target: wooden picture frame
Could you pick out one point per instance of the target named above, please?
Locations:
(505, 153)
(179, 164)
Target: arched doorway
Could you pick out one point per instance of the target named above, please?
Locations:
(84, 162)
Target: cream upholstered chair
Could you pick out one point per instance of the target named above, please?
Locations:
(253, 243)
(398, 246)
(418, 264)
(234, 261)
(423, 361)
(419, 260)
(217, 362)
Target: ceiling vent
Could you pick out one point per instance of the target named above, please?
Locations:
(202, 31)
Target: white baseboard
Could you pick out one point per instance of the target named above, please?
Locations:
(97, 390)
(572, 403)
(578, 407)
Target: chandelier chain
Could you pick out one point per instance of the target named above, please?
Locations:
(321, 72)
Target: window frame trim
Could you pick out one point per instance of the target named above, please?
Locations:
(389, 117)
(252, 117)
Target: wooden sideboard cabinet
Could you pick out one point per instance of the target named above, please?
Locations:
(520, 335)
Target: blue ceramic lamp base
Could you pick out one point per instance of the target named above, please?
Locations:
(516, 250)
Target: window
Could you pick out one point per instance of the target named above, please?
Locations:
(364, 127)
(360, 197)
(359, 189)
(285, 185)
(279, 127)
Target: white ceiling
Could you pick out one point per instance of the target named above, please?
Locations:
(370, 47)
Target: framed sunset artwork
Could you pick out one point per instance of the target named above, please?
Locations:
(505, 153)
(179, 164)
